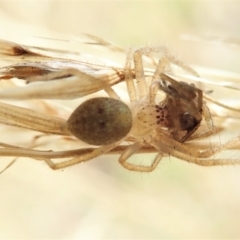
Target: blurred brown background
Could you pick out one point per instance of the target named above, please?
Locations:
(100, 199)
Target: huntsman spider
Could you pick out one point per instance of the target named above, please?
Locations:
(167, 126)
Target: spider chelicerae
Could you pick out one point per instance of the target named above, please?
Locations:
(147, 124)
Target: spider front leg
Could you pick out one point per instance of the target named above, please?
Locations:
(142, 88)
(203, 158)
(139, 72)
(191, 154)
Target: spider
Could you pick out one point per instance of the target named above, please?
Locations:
(166, 127)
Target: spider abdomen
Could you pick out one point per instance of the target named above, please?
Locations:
(100, 121)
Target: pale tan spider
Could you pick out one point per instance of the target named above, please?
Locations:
(167, 126)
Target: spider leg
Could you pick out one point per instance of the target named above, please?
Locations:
(182, 65)
(83, 158)
(209, 121)
(138, 168)
(129, 79)
(32, 144)
(139, 72)
(161, 66)
(205, 161)
(154, 87)
(142, 88)
(199, 157)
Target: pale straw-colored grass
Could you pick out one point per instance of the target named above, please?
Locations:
(100, 199)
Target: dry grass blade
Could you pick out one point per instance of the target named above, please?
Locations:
(26, 118)
(169, 113)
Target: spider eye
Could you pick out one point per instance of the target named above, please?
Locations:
(100, 121)
(187, 121)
